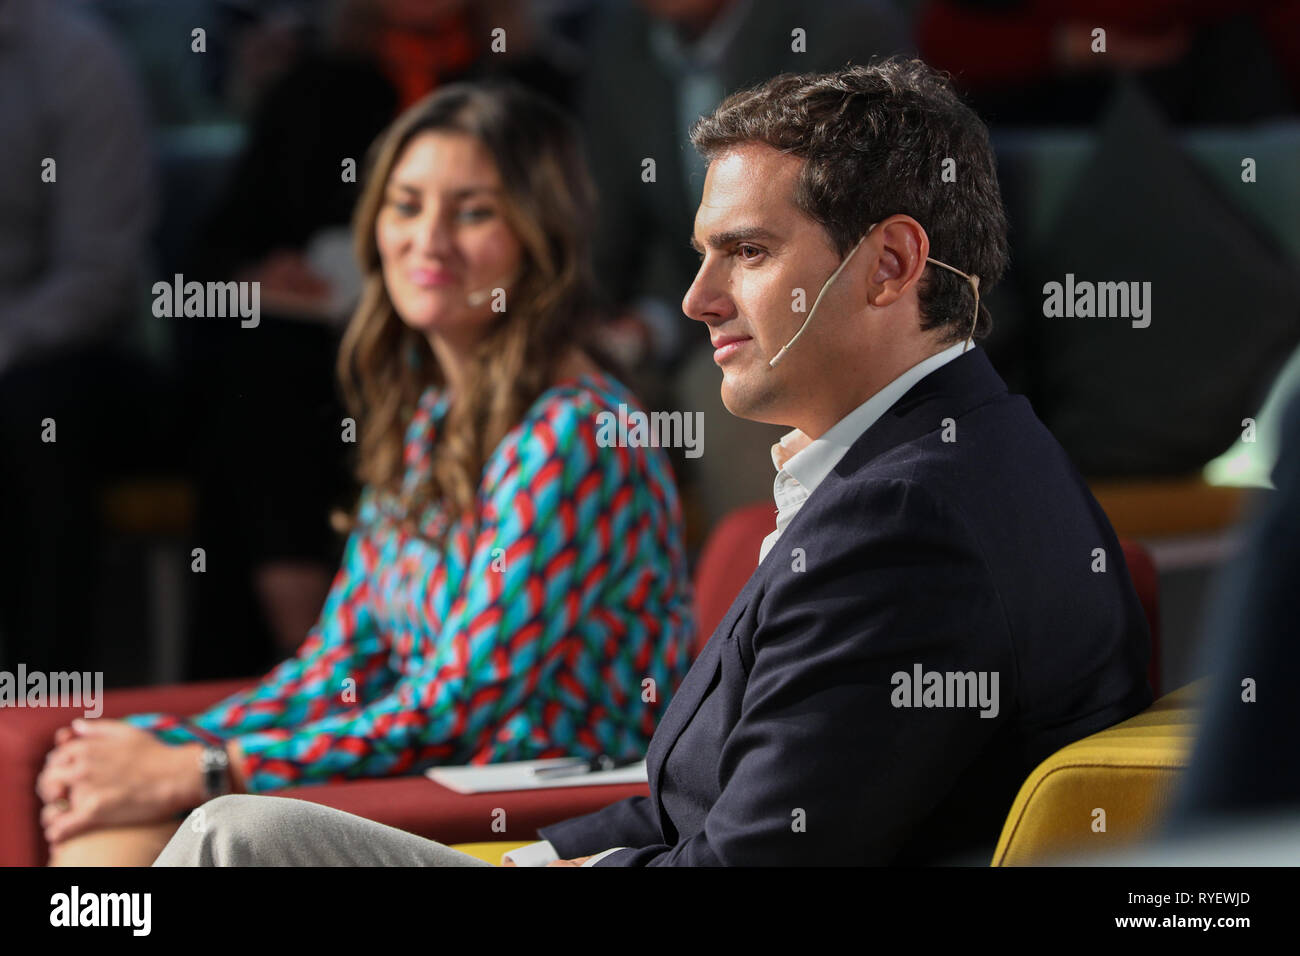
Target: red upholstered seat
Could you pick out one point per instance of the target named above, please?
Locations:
(728, 558)
(415, 803)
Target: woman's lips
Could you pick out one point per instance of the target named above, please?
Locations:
(431, 278)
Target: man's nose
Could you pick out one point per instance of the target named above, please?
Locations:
(707, 297)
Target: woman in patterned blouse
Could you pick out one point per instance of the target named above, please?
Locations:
(539, 606)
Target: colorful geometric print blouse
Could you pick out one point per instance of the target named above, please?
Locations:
(536, 635)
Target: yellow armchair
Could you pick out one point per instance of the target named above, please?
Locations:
(1105, 791)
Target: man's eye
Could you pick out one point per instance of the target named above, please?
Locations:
(748, 252)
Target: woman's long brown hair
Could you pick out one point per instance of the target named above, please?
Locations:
(384, 366)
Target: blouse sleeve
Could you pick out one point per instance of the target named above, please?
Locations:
(524, 584)
(344, 659)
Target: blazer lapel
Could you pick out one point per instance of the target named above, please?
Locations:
(688, 697)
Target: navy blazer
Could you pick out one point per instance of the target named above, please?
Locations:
(953, 537)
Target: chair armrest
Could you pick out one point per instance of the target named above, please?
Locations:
(1129, 770)
(26, 736)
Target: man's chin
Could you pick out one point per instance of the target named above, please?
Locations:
(744, 398)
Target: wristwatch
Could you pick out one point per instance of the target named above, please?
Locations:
(214, 762)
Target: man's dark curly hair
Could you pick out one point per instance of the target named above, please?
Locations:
(874, 139)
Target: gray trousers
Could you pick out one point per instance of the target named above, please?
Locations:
(246, 830)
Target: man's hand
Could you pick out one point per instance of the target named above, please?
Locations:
(576, 861)
(107, 772)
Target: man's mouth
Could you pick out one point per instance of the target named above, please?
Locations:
(726, 346)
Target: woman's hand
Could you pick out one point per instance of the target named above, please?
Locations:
(108, 772)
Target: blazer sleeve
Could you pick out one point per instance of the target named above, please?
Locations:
(824, 763)
(631, 822)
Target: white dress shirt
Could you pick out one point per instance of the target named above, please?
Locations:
(802, 464)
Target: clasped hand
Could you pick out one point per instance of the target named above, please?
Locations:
(108, 772)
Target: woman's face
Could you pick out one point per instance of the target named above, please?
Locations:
(444, 242)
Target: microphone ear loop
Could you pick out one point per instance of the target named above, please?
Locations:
(479, 296)
(974, 282)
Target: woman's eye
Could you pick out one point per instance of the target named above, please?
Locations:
(405, 209)
(478, 214)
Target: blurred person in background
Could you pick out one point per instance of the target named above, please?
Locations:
(1238, 803)
(1138, 131)
(1244, 763)
(1037, 62)
(270, 463)
(509, 582)
(656, 67)
(76, 206)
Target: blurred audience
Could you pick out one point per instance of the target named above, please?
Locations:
(1139, 384)
(76, 206)
(1037, 62)
(1239, 802)
(1244, 763)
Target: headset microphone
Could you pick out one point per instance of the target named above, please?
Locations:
(974, 281)
(816, 302)
(479, 296)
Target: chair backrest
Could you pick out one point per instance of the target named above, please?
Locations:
(730, 555)
(728, 558)
(1142, 570)
(1131, 769)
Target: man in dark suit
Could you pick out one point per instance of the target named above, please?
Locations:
(941, 604)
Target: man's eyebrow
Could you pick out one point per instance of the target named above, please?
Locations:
(720, 240)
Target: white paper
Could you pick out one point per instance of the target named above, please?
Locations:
(494, 777)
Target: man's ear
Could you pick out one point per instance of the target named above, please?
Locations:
(898, 249)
